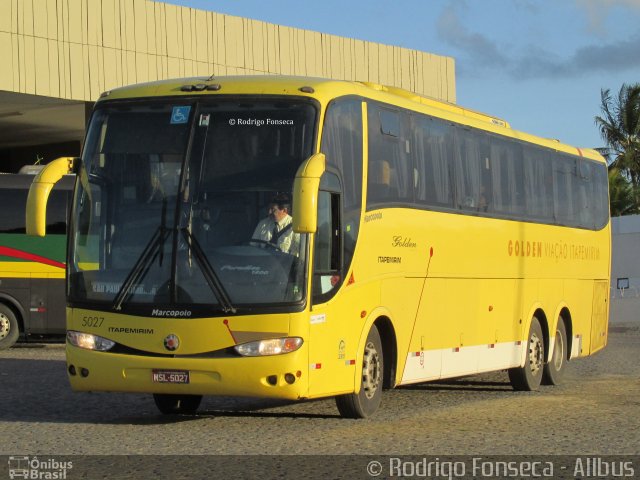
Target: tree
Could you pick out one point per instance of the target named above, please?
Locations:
(622, 195)
(620, 128)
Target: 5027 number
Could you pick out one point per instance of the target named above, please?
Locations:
(92, 321)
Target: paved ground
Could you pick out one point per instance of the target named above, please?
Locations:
(596, 411)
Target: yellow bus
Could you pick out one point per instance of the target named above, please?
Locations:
(427, 241)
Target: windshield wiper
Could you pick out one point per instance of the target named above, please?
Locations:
(152, 249)
(146, 259)
(210, 275)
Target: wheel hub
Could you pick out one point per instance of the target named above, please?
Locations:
(371, 371)
(5, 326)
(558, 352)
(536, 350)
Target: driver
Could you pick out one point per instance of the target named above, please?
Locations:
(277, 228)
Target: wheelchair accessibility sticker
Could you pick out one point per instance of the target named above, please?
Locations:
(180, 115)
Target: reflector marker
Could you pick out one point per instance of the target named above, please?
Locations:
(492, 345)
(519, 342)
(456, 349)
(315, 366)
(416, 354)
(350, 362)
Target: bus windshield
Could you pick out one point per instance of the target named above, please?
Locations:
(169, 197)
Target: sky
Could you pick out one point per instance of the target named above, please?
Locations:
(538, 64)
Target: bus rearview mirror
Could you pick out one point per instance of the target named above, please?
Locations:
(305, 194)
(43, 183)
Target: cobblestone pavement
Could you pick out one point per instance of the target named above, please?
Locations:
(596, 411)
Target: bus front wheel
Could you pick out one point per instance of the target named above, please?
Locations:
(554, 370)
(177, 404)
(9, 329)
(364, 403)
(529, 377)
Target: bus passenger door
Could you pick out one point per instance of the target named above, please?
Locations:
(56, 305)
(330, 370)
(38, 305)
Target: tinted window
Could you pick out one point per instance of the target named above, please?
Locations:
(478, 172)
(471, 167)
(390, 177)
(14, 202)
(57, 212)
(12, 213)
(599, 195)
(564, 173)
(433, 150)
(507, 173)
(538, 183)
(342, 145)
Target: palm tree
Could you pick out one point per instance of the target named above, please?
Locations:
(620, 127)
(622, 195)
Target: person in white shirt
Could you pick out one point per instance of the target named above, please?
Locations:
(277, 228)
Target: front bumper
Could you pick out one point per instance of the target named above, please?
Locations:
(237, 376)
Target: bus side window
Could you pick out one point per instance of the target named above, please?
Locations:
(14, 201)
(57, 211)
(328, 248)
(390, 177)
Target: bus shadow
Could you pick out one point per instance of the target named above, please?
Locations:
(462, 384)
(236, 407)
(38, 391)
(266, 408)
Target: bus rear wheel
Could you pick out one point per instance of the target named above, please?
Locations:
(9, 329)
(364, 403)
(554, 370)
(528, 378)
(177, 404)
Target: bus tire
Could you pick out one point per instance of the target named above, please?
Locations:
(554, 370)
(177, 404)
(9, 328)
(364, 403)
(528, 378)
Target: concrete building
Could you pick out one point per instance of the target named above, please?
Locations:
(59, 55)
(625, 269)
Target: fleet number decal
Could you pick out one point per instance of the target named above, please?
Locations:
(92, 321)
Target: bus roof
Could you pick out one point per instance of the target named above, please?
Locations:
(325, 90)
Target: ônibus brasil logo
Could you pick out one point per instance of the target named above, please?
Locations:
(35, 468)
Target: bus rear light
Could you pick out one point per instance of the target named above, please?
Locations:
(89, 341)
(275, 346)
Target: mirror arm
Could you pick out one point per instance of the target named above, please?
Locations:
(43, 183)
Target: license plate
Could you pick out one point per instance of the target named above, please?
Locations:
(171, 376)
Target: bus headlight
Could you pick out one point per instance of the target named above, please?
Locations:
(274, 346)
(89, 341)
